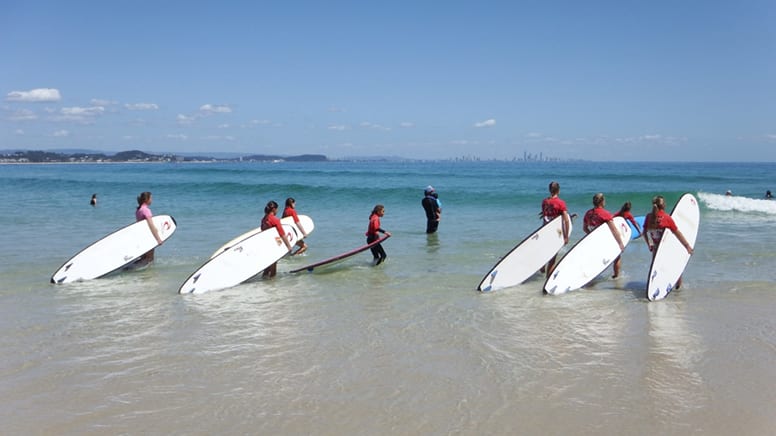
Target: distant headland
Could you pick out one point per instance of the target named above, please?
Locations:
(33, 156)
(137, 156)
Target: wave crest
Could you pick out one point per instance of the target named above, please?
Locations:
(736, 203)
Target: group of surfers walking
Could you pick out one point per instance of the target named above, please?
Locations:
(655, 223)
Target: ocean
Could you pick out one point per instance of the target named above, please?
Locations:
(408, 347)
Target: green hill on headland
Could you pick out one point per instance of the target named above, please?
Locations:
(37, 156)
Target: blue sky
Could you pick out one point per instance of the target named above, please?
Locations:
(600, 80)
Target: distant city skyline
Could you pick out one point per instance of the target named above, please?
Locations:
(607, 80)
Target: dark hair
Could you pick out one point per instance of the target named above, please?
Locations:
(143, 198)
(598, 199)
(626, 207)
(554, 187)
(290, 202)
(377, 208)
(270, 206)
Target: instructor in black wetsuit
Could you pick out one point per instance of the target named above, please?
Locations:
(433, 211)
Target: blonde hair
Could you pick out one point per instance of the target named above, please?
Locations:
(598, 199)
(658, 204)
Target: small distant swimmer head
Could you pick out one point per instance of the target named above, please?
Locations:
(93, 201)
(768, 194)
(728, 192)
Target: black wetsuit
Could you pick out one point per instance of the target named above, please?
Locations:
(430, 206)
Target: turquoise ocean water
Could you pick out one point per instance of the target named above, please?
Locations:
(408, 347)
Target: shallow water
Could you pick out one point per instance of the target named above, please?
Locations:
(408, 347)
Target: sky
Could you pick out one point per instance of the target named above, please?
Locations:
(600, 80)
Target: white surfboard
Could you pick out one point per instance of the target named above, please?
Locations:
(526, 258)
(114, 251)
(307, 223)
(587, 258)
(244, 259)
(671, 257)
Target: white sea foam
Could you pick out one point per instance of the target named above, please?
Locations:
(737, 203)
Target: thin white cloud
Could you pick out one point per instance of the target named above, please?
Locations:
(178, 136)
(215, 109)
(35, 95)
(368, 125)
(487, 123)
(606, 141)
(138, 122)
(23, 115)
(771, 137)
(253, 123)
(184, 119)
(77, 111)
(406, 124)
(644, 139)
(19, 132)
(78, 114)
(467, 142)
(142, 106)
(61, 133)
(102, 102)
(338, 128)
(205, 110)
(220, 138)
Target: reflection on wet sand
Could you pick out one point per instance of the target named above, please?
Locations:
(674, 386)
